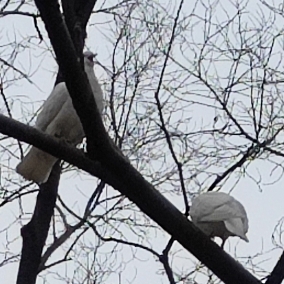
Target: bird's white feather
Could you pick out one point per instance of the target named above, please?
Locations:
(58, 118)
(219, 214)
(52, 106)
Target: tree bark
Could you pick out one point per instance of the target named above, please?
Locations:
(277, 274)
(34, 233)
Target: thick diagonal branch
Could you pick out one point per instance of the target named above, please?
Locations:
(149, 200)
(277, 275)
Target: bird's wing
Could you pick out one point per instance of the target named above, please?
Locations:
(204, 204)
(221, 212)
(66, 124)
(52, 106)
(212, 199)
(216, 207)
(96, 88)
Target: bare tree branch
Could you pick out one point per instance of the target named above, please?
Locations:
(35, 232)
(277, 274)
(230, 170)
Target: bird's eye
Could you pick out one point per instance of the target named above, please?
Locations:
(91, 58)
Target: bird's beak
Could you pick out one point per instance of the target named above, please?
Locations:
(91, 57)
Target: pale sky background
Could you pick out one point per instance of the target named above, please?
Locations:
(264, 207)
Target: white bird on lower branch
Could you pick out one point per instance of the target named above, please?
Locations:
(58, 118)
(218, 214)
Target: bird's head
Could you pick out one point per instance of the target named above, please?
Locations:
(89, 58)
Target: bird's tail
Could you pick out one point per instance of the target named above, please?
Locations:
(36, 166)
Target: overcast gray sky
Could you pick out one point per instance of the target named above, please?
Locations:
(264, 207)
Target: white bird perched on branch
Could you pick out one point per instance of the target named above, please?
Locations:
(58, 118)
(218, 214)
